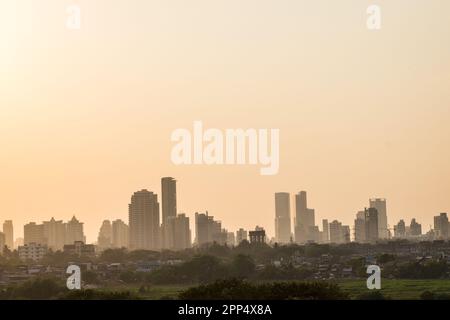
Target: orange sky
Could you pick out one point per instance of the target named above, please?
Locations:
(86, 116)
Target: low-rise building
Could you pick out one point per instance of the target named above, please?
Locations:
(79, 248)
(32, 251)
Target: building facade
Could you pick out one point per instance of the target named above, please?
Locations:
(144, 222)
(282, 217)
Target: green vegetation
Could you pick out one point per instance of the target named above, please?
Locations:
(234, 289)
(397, 289)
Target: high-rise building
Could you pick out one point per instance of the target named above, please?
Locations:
(104, 240)
(202, 228)
(74, 231)
(8, 230)
(208, 230)
(169, 210)
(143, 212)
(2, 242)
(336, 234)
(415, 229)
(325, 231)
(231, 240)
(120, 238)
(400, 229)
(182, 232)
(34, 233)
(360, 227)
(55, 234)
(441, 226)
(372, 229)
(241, 235)
(304, 219)
(314, 234)
(345, 234)
(380, 205)
(282, 217)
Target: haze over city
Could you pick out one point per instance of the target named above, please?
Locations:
(86, 116)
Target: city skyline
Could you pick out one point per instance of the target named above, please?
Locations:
(149, 228)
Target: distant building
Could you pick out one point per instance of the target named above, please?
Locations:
(207, 230)
(282, 217)
(169, 210)
(8, 230)
(372, 228)
(120, 236)
(2, 242)
(54, 234)
(181, 231)
(336, 234)
(314, 234)
(34, 233)
(304, 219)
(325, 231)
(380, 205)
(241, 235)
(346, 234)
(441, 226)
(144, 221)
(360, 227)
(32, 251)
(231, 240)
(415, 229)
(400, 229)
(105, 236)
(80, 249)
(258, 235)
(74, 231)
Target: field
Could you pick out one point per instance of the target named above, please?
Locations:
(394, 289)
(398, 289)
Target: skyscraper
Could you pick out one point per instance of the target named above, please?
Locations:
(231, 239)
(380, 205)
(208, 230)
(360, 227)
(182, 232)
(34, 233)
(415, 228)
(241, 235)
(8, 230)
(120, 234)
(301, 213)
(55, 234)
(282, 217)
(104, 240)
(169, 209)
(336, 234)
(74, 231)
(325, 231)
(143, 214)
(400, 229)
(2, 242)
(441, 226)
(372, 229)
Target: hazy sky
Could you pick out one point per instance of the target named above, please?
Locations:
(86, 116)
